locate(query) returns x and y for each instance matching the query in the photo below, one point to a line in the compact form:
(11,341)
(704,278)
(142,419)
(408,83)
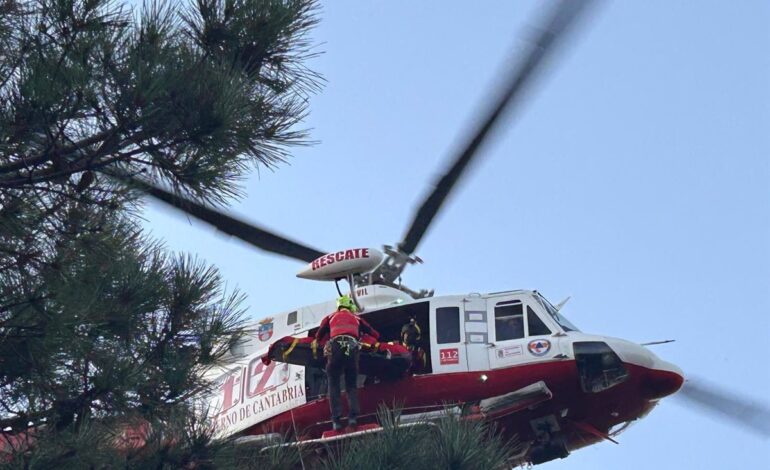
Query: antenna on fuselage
(562,303)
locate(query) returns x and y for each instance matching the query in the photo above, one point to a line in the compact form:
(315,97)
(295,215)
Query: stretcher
(384,360)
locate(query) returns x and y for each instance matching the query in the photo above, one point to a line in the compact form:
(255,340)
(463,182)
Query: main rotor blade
(737,410)
(247,232)
(547,40)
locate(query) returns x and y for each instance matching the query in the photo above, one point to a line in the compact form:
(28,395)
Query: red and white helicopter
(508,357)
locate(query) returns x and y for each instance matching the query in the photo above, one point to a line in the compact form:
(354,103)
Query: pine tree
(102,331)
(104,335)
(191,95)
(445,443)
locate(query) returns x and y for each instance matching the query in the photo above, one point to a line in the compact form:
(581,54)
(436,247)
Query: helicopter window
(509,320)
(535,324)
(448,325)
(291,318)
(557,317)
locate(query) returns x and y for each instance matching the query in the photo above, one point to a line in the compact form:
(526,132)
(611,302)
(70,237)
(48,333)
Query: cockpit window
(535,325)
(509,320)
(557,317)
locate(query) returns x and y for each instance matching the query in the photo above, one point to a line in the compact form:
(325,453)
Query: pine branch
(97,322)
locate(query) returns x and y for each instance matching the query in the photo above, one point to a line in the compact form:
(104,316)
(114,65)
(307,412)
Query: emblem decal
(265,329)
(539,347)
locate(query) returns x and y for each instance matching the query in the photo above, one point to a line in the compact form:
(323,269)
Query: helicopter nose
(658,378)
(663,381)
(662,378)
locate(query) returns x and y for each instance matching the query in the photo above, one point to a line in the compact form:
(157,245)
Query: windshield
(558,317)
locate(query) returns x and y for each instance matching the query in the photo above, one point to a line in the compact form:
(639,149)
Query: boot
(336,426)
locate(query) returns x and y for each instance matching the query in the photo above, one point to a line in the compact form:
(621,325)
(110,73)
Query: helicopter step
(517,400)
(329,437)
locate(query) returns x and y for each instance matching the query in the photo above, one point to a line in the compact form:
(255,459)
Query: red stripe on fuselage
(624,402)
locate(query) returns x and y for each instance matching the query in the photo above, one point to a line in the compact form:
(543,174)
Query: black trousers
(343,360)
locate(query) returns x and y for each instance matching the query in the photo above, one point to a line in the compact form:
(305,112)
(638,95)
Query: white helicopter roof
(293,322)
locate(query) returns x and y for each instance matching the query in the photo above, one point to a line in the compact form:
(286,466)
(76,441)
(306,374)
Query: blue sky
(634,179)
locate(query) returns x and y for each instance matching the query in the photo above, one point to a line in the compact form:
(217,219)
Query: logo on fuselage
(265,329)
(539,347)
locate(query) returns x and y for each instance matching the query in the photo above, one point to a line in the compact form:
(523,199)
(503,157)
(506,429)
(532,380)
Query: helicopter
(385,281)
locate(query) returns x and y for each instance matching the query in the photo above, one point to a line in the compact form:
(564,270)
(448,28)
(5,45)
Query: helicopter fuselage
(507,357)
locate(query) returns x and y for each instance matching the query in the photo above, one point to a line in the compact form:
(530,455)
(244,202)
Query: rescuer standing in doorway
(411,337)
(411,334)
(344,329)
